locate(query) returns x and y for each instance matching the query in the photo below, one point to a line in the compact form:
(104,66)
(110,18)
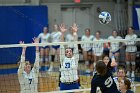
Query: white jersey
(88,46)
(130,45)
(45,38)
(69,66)
(115,46)
(70,38)
(56,36)
(98,47)
(28,82)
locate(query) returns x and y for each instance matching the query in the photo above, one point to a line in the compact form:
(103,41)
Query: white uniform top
(88,46)
(45,38)
(130,45)
(98,47)
(70,38)
(69,66)
(28,82)
(115,46)
(56,36)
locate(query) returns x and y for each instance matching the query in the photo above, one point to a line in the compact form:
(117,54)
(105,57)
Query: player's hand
(22,42)
(74,28)
(113,63)
(35,40)
(63,28)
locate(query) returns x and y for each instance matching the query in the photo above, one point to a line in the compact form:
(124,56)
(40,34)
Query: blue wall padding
(20,23)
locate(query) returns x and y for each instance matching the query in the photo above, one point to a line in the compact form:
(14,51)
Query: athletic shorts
(65,86)
(45,47)
(90,50)
(56,46)
(134,53)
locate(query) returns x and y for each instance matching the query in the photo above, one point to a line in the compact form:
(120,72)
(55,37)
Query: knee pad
(53,57)
(133,63)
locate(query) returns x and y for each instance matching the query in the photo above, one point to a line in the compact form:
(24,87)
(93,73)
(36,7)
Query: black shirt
(112,69)
(106,83)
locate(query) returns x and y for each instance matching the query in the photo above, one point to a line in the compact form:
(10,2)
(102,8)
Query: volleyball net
(48,81)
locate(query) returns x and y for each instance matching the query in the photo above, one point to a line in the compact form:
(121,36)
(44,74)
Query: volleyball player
(103,79)
(69,64)
(110,63)
(131,52)
(55,37)
(87,48)
(125,86)
(115,46)
(44,50)
(97,48)
(27,76)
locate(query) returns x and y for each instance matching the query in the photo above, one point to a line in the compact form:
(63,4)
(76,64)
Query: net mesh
(48,80)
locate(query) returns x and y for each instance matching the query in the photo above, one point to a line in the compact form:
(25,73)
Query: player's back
(106,83)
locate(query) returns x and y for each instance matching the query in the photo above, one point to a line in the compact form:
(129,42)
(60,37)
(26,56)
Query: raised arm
(113,63)
(36,64)
(75,30)
(62,49)
(22,60)
(75,51)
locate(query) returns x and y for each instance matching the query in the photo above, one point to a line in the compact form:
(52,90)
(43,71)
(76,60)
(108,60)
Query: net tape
(65,43)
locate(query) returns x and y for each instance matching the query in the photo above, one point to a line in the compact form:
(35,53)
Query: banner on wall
(136,17)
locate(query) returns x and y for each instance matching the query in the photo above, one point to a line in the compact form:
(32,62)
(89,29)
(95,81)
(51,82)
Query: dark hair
(115,31)
(104,56)
(109,63)
(87,29)
(69,48)
(98,32)
(127,83)
(121,68)
(101,68)
(131,27)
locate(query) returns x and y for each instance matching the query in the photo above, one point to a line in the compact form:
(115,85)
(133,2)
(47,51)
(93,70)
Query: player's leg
(94,63)
(58,52)
(52,58)
(85,56)
(95,60)
(117,54)
(133,63)
(47,49)
(41,55)
(127,59)
(89,56)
